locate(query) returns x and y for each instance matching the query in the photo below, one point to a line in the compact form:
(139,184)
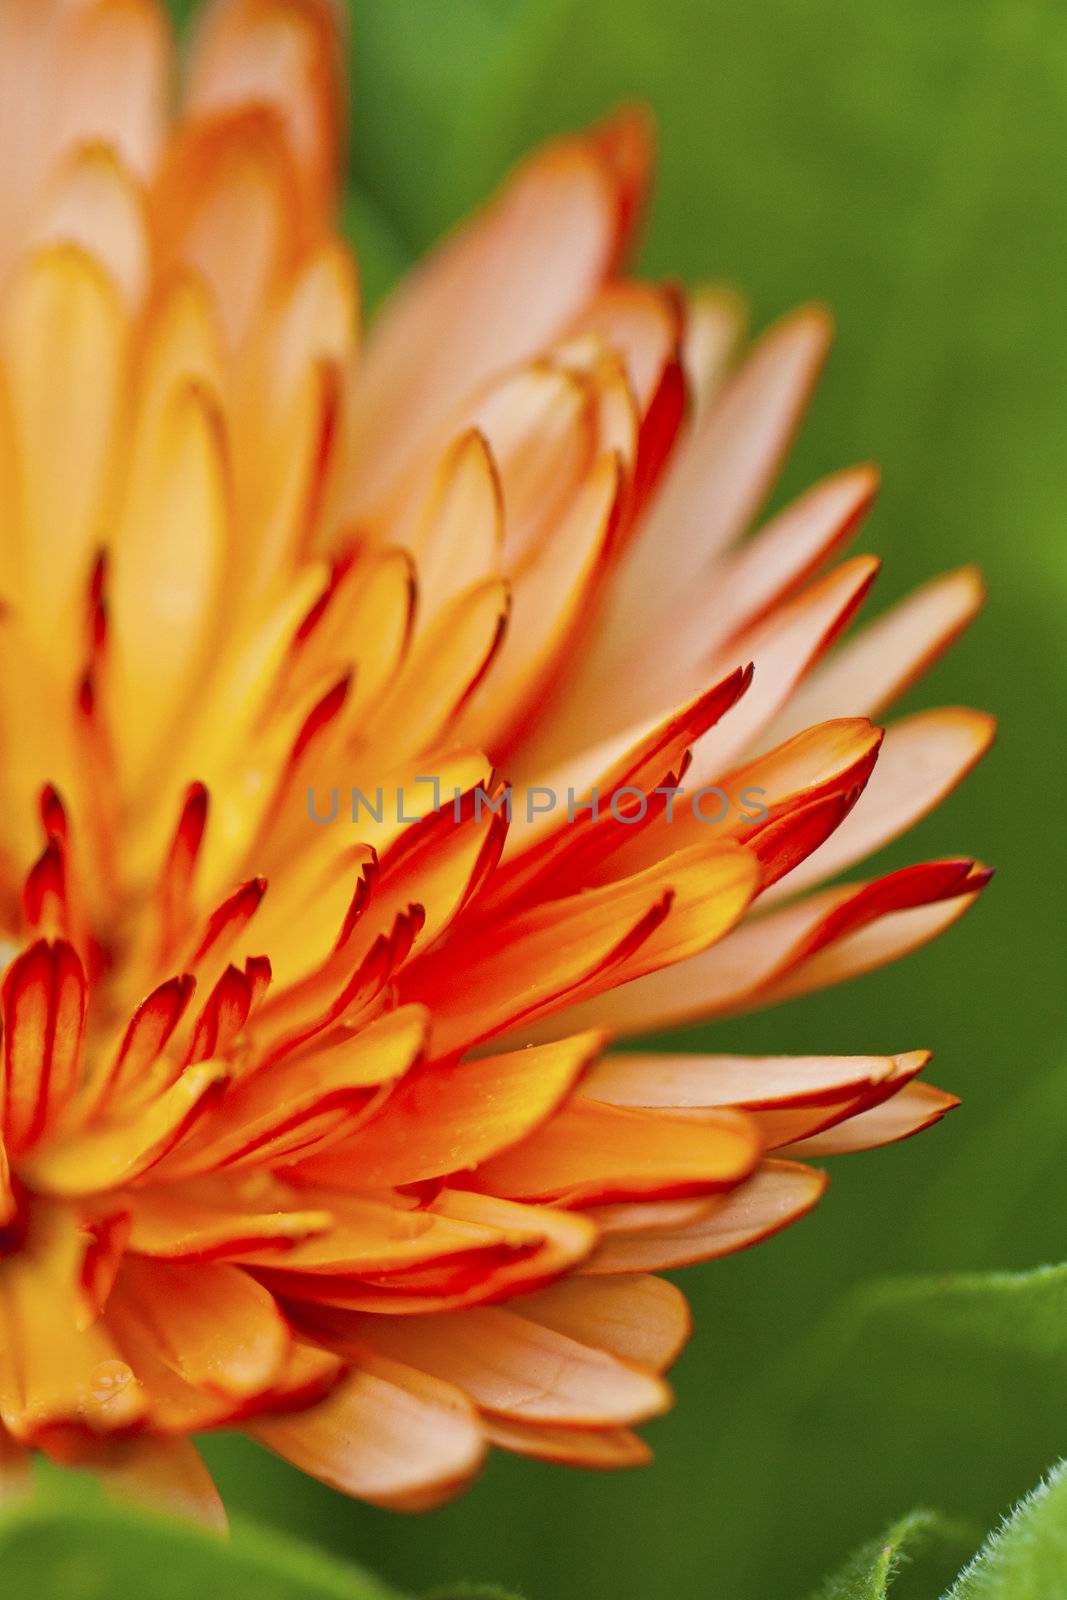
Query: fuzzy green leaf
(870,1572)
(1026,1558)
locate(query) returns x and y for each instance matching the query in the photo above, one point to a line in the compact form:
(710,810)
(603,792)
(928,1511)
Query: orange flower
(307,1128)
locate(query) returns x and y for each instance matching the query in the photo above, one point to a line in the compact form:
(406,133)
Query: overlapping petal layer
(386,726)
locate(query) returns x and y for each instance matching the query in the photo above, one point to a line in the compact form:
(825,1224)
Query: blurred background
(903,163)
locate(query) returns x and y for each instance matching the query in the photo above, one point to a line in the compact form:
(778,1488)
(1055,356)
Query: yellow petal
(106,1157)
(64,354)
(59,1377)
(166,570)
(590,1153)
(446,1117)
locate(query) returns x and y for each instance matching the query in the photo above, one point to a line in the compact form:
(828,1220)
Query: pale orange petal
(779,1194)
(724,471)
(640,1318)
(519,1369)
(388,1434)
(874,668)
(217,1327)
(603,1449)
(820,940)
(281,54)
(750,1082)
(714,326)
(495,293)
(915,1107)
(921,760)
(163,1475)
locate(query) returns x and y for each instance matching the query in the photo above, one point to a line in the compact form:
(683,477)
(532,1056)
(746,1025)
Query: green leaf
(870,1572)
(1023,1314)
(1026,1558)
(888,1394)
(59,1546)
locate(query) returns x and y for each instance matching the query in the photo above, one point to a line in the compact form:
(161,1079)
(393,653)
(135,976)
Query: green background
(903,161)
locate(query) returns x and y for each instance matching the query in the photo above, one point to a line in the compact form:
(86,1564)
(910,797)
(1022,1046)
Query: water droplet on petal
(112,1388)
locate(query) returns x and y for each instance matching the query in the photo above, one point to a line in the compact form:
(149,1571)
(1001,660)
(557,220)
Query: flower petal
(818,941)
(460,531)
(45,995)
(888,655)
(279,1110)
(768,569)
(232,175)
(439,677)
(722,474)
(922,758)
(448,1116)
(104,1157)
(163,1475)
(640,1319)
(495,293)
(894,932)
(177,1223)
(167,567)
(61,1380)
(388,1434)
(520,1369)
(714,326)
(752,1083)
(606,1449)
(915,1107)
(110,42)
(212,1323)
(286,56)
(780,1193)
(550,596)
(95,205)
(524,965)
(590,1153)
(64,347)
(782,1127)
(482,1250)
(783,650)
